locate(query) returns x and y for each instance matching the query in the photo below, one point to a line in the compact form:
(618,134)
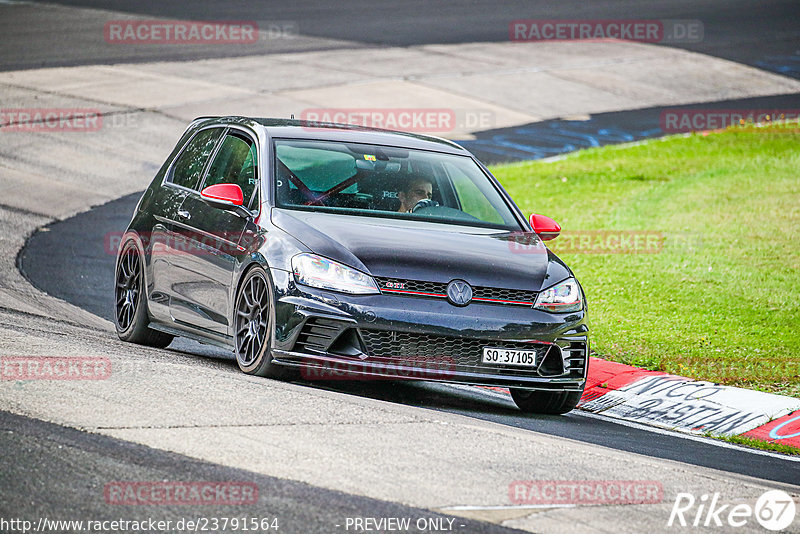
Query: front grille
(412,286)
(520,296)
(490,295)
(463,354)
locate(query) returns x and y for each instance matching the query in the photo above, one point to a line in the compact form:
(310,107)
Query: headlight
(316,271)
(561,298)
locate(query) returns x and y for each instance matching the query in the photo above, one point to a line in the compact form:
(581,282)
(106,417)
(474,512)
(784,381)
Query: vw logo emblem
(459,293)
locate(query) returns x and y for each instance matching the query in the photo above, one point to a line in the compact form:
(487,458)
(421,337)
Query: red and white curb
(683,404)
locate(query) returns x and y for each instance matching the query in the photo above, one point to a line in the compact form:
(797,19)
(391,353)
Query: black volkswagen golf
(345,251)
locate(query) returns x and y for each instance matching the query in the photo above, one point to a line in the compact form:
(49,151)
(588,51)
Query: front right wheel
(545,402)
(253,326)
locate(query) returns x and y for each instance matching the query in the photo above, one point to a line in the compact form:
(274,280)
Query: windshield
(388,182)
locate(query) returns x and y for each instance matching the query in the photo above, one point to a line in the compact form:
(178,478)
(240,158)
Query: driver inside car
(415,194)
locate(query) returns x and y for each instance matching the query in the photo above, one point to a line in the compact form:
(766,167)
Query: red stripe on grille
(504,301)
(414,292)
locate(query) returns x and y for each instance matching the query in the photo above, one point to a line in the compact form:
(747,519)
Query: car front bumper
(332,336)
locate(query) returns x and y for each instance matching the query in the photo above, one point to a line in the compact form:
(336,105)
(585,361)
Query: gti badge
(459,293)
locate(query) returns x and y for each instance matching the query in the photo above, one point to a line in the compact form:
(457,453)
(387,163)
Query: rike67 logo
(774,510)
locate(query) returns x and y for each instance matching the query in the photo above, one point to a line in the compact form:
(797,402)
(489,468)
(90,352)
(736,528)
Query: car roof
(300,129)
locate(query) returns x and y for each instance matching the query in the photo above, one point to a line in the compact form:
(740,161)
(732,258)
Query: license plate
(497,356)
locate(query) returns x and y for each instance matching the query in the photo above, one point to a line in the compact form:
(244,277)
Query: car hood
(434,252)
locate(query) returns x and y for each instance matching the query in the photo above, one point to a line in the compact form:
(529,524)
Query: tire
(545,402)
(131,317)
(254,324)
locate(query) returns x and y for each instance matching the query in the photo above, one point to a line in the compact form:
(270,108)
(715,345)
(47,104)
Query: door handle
(184,214)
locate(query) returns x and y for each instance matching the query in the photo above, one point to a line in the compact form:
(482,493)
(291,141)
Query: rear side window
(236,162)
(189,165)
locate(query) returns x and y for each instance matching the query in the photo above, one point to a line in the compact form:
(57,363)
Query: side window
(473,201)
(189,165)
(236,162)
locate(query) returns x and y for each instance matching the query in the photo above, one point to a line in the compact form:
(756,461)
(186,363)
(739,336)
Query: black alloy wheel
(253,326)
(130,310)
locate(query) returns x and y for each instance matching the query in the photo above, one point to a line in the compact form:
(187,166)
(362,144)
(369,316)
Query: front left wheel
(130,310)
(253,326)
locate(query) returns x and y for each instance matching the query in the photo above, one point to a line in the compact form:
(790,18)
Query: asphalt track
(763,34)
(85,463)
(74,260)
(59,470)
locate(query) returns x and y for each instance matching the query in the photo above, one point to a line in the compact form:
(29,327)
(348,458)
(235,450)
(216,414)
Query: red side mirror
(224,193)
(546,227)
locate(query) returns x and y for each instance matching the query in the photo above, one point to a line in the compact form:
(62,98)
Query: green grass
(759,444)
(721,300)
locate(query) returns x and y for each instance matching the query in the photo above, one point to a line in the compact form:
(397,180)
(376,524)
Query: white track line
(639,426)
(508,507)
